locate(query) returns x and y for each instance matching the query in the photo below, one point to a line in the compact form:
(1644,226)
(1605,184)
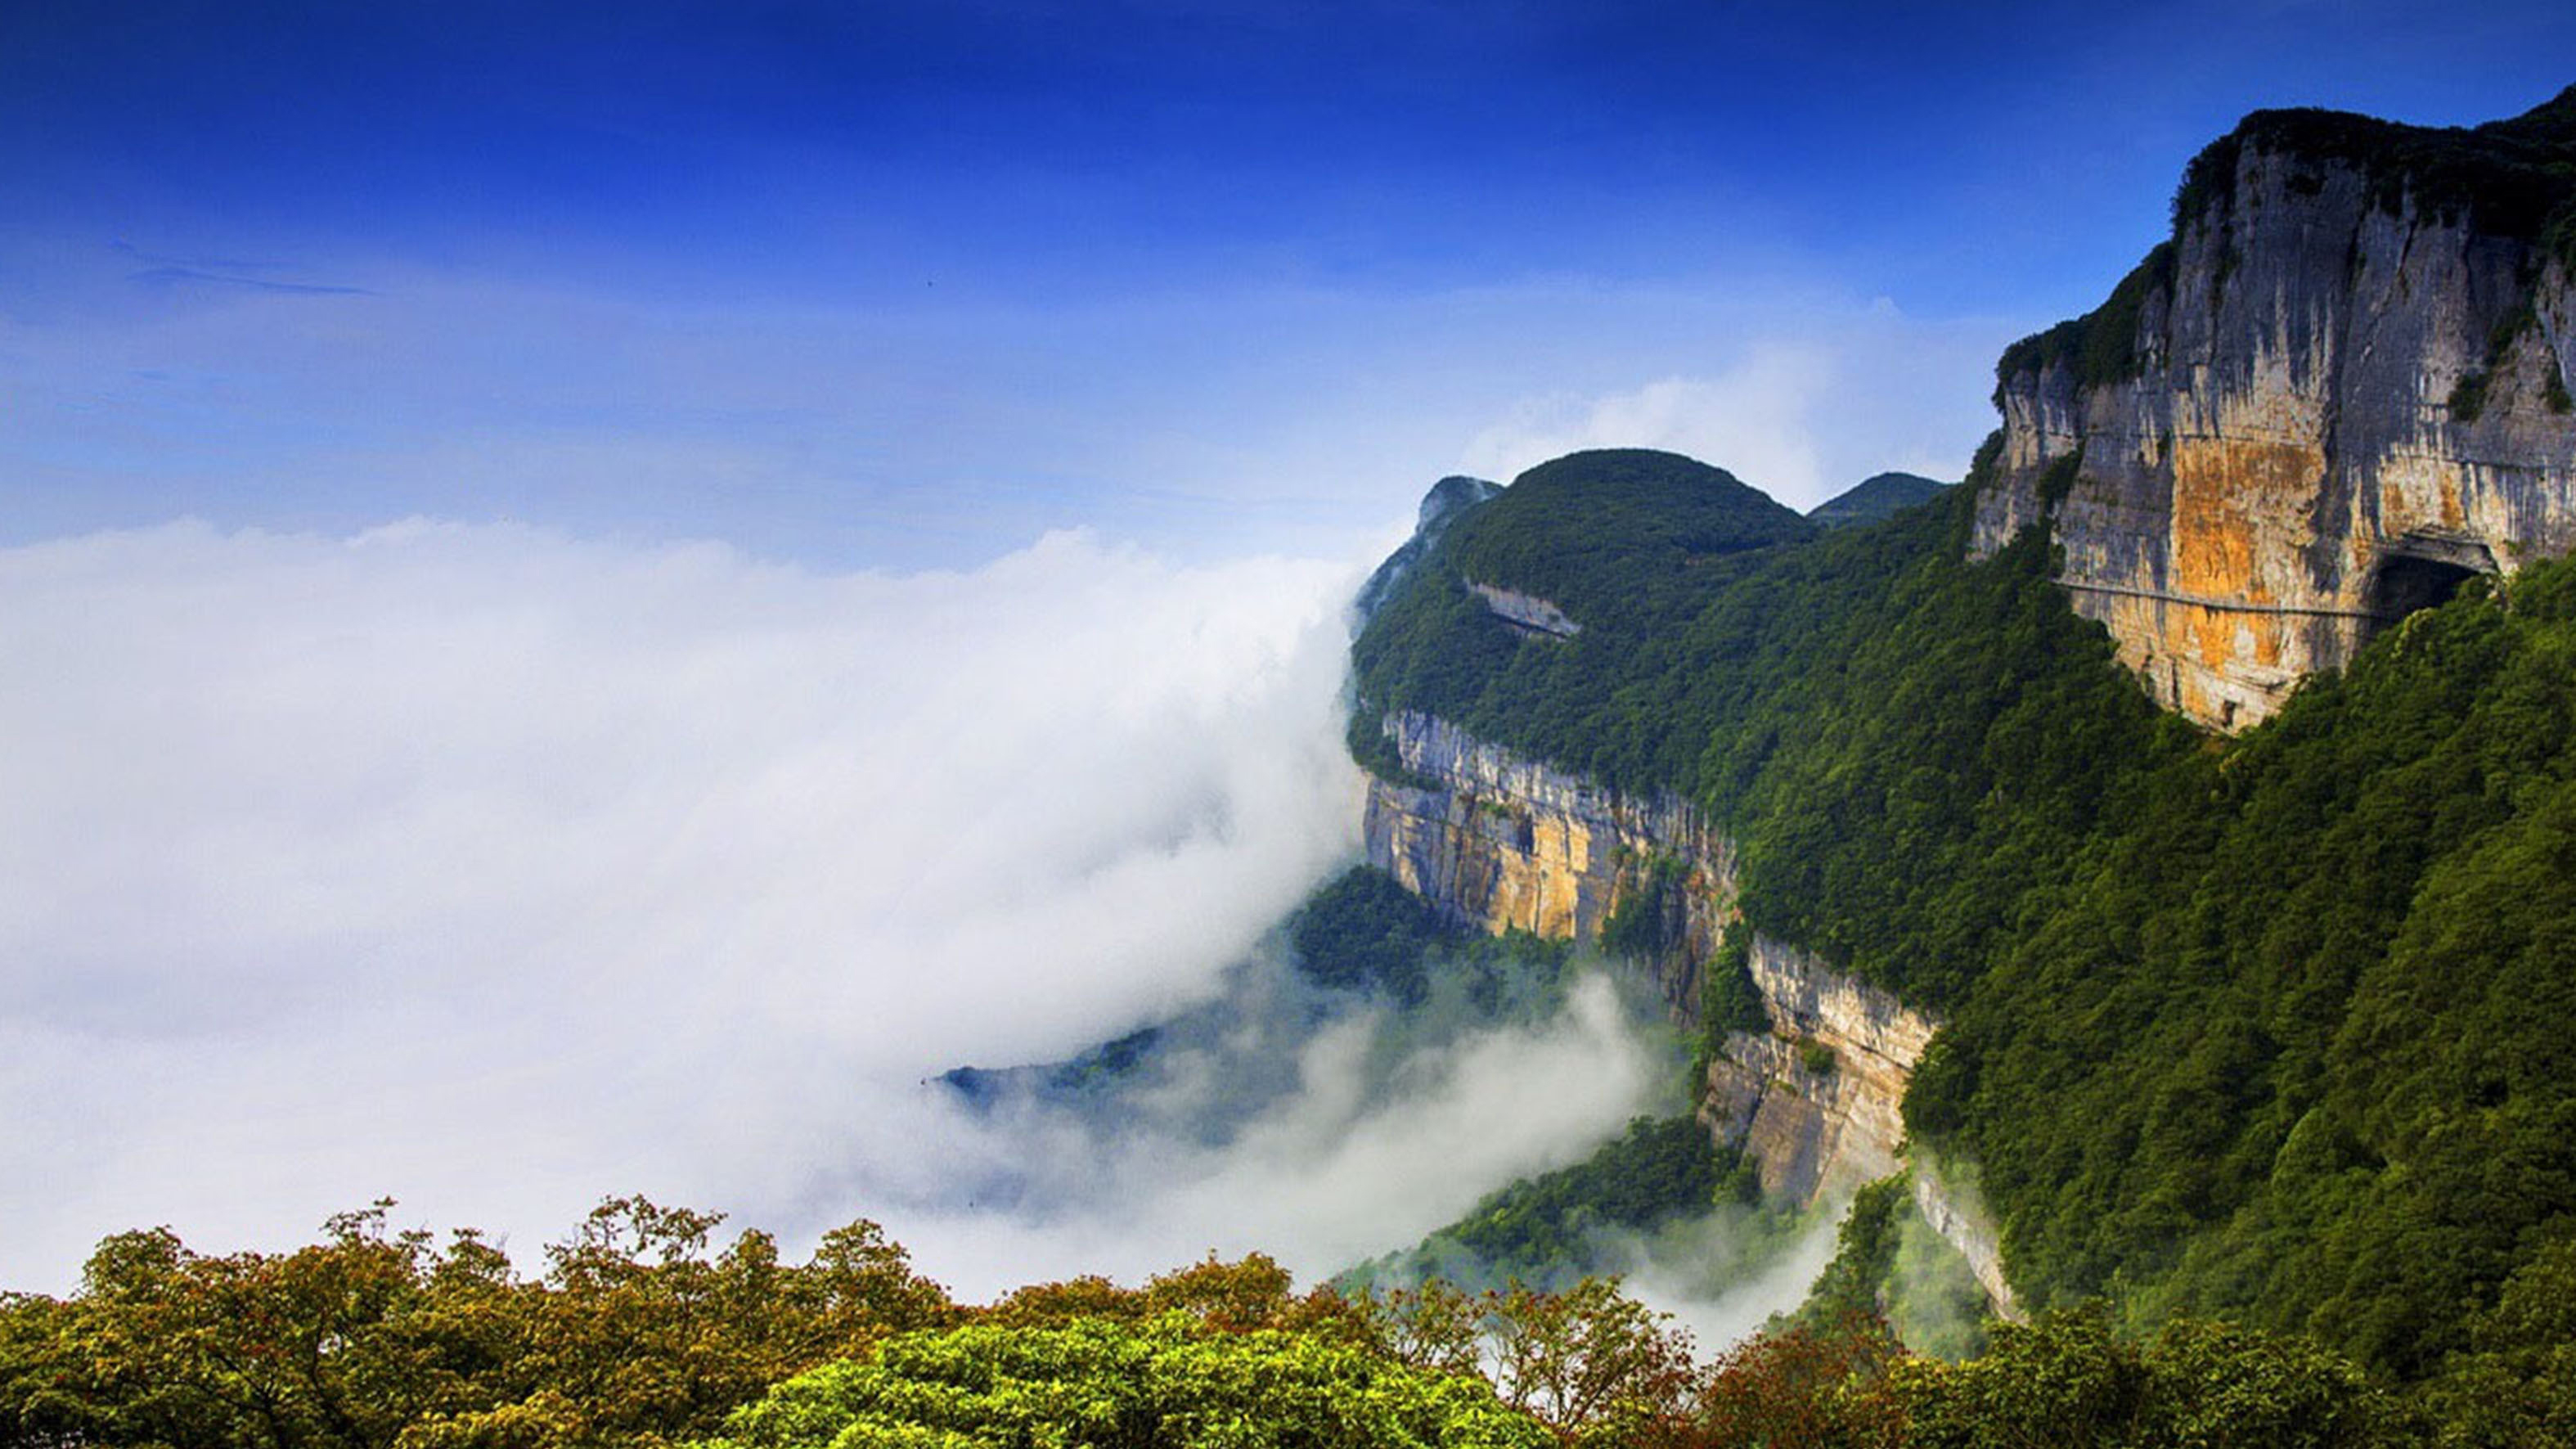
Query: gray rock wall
(2286,472)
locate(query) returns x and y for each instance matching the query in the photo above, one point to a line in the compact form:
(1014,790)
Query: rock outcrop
(2337,392)
(1527,614)
(1504,843)
(1819,1098)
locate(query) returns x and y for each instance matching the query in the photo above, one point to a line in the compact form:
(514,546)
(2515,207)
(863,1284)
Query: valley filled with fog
(497,872)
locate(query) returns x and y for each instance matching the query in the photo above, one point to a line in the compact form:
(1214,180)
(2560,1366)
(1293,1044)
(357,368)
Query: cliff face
(1819,1098)
(2335,394)
(1527,614)
(1504,843)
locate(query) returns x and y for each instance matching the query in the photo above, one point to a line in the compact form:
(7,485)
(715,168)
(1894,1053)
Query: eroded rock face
(1818,1100)
(1958,1214)
(1526,613)
(2291,462)
(1505,843)
(1820,1097)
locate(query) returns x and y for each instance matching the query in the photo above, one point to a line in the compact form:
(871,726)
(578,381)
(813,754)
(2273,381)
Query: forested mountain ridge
(1874,498)
(2270,1026)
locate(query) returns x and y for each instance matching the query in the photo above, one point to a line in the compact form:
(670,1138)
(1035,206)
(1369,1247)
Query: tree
(1163,1382)
(637,1335)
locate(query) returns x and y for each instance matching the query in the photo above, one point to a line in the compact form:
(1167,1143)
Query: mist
(498,872)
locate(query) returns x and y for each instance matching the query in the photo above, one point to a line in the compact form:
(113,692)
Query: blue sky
(902,284)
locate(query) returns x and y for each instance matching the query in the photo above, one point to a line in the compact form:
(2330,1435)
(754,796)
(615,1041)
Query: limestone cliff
(1818,1099)
(1527,614)
(1505,843)
(2337,391)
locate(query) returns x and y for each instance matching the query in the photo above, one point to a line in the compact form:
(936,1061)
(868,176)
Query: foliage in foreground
(2069,1380)
(1166,1381)
(638,1335)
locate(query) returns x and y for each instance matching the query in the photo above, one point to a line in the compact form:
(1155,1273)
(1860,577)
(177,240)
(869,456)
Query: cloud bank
(1389,1126)
(497,872)
(1755,419)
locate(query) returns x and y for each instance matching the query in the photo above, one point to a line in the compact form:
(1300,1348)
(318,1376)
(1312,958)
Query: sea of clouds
(497,872)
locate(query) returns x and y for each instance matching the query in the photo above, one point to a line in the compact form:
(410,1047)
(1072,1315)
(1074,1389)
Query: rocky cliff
(1819,1097)
(2339,390)
(1505,843)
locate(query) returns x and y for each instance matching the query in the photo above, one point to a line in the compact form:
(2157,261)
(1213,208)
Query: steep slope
(1448,499)
(1763,757)
(2273,1028)
(2339,388)
(2294,1046)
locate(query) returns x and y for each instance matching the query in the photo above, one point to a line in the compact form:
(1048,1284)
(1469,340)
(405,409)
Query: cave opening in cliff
(2405,583)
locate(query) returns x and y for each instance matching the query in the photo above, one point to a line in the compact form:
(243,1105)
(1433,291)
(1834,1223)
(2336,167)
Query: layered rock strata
(1504,843)
(1819,1098)
(2324,403)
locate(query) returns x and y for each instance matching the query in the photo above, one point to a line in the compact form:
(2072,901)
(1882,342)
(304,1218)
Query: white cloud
(1363,1157)
(1726,1314)
(1754,419)
(1800,406)
(499,872)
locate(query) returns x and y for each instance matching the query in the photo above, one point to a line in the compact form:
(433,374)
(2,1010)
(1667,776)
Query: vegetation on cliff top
(1875,497)
(2510,178)
(1615,533)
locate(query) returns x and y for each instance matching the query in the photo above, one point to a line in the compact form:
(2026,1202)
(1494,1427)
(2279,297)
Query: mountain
(1447,499)
(2338,389)
(1874,498)
(2248,993)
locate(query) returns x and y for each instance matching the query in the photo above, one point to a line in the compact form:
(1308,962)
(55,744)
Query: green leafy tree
(639,1334)
(1171,1379)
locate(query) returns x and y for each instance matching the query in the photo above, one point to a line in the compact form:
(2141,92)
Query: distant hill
(1448,498)
(1875,498)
